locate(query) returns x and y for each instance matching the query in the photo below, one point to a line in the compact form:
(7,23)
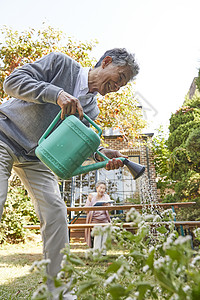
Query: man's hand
(112,154)
(69,105)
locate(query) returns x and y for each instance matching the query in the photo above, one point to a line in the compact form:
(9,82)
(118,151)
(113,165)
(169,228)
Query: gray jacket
(35,88)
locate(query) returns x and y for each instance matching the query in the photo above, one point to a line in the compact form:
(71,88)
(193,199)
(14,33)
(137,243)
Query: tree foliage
(184,144)
(17,48)
(198,80)
(177,158)
(121,112)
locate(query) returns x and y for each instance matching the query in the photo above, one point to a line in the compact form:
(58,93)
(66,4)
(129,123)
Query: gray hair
(121,57)
(100,182)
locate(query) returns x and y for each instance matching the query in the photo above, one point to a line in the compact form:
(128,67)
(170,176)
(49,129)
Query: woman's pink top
(101,216)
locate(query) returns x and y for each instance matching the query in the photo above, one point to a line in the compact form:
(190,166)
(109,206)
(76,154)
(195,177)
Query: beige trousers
(43,189)
(99,242)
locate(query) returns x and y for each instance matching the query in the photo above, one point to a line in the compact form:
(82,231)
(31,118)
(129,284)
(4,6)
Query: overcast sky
(163,34)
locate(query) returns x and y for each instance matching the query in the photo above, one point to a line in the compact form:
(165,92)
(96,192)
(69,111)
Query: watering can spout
(136,170)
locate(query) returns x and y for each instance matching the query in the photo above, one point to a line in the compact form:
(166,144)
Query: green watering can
(65,149)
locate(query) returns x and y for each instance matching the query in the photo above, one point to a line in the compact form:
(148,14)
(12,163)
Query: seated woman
(100,216)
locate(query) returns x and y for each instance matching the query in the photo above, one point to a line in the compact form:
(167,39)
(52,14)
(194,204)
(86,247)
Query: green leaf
(85,286)
(142,288)
(76,261)
(162,229)
(176,254)
(117,291)
(114,267)
(196,292)
(57,282)
(137,254)
(150,259)
(165,282)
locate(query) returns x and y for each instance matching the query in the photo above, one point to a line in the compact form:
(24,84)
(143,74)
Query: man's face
(111,77)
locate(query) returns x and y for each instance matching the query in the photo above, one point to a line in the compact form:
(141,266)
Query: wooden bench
(81,226)
(125,207)
(129,206)
(183,225)
(186,227)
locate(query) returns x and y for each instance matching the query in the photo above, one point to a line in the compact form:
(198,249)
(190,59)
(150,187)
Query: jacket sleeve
(34,82)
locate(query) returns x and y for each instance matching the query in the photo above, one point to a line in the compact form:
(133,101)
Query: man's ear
(106,61)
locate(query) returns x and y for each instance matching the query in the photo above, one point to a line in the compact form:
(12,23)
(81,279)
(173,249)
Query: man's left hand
(112,154)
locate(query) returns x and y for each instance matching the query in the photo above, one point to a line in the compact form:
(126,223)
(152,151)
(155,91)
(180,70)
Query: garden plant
(155,263)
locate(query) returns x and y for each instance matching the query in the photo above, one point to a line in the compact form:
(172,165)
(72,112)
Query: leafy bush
(18,210)
(193,145)
(191,213)
(184,145)
(181,133)
(154,264)
(183,115)
(198,81)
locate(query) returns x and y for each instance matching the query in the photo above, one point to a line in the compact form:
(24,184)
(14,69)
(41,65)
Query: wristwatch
(95,153)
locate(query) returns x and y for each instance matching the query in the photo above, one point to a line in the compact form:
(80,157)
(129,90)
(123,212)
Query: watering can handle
(94,124)
(57,118)
(96,166)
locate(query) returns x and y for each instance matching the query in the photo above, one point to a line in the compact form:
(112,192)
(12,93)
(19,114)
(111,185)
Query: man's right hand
(69,105)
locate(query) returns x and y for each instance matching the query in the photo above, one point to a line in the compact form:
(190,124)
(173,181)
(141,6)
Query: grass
(16,281)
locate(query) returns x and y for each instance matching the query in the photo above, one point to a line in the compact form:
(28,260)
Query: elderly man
(39,91)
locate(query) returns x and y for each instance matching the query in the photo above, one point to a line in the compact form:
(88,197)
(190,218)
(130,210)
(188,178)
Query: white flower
(169,241)
(151,249)
(120,270)
(168,213)
(195,259)
(131,260)
(110,279)
(160,261)
(41,289)
(157,218)
(197,232)
(133,215)
(142,227)
(148,217)
(182,240)
(63,261)
(175,297)
(145,268)
(60,275)
(45,261)
(39,264)
(33,266)
(186,288)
